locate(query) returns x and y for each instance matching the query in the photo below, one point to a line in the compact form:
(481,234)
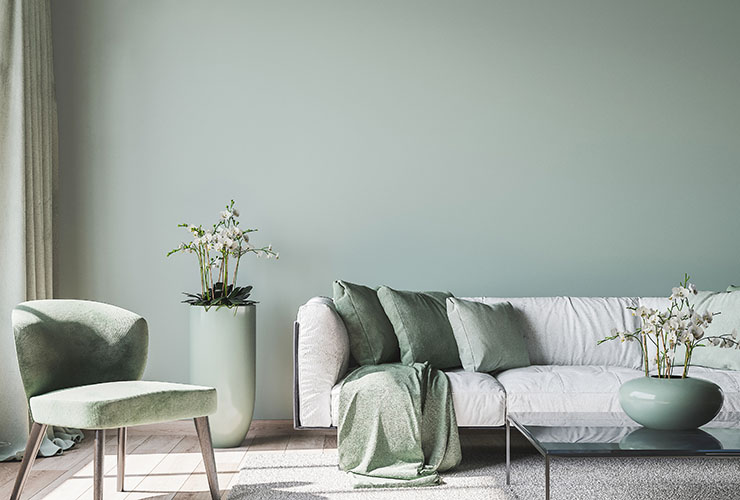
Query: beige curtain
(28,159)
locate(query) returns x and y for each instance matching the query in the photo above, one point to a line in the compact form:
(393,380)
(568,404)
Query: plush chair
(81,363)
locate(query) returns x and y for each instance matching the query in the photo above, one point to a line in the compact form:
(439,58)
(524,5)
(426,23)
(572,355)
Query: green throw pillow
(487,336)
(371,337)
(421,325)
(733,288)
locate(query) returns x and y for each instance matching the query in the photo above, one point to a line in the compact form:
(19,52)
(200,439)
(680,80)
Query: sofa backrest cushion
(566,330)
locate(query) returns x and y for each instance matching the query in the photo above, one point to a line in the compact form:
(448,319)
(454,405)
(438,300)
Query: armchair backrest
(68,343)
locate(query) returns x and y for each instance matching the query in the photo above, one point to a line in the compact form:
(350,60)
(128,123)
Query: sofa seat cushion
(478,398)
(553,388)
(122,404)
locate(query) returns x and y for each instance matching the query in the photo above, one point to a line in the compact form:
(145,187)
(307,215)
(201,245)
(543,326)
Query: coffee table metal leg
(547,477)
(508,452)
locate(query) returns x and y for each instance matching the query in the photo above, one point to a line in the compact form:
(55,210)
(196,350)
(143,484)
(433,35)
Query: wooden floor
(163,462)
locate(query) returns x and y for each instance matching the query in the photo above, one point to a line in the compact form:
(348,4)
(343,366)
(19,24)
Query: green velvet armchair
(81,363)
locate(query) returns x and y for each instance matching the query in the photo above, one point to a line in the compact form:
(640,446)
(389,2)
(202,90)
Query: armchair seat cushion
(122,404)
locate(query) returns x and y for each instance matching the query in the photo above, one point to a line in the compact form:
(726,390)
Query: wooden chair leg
(121,458)
(32,448)
(98,468)
(206,449)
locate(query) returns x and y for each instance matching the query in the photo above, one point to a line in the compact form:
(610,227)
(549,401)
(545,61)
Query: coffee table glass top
(593,434)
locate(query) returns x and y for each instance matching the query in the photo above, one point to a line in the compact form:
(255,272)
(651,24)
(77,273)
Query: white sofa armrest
(321,358)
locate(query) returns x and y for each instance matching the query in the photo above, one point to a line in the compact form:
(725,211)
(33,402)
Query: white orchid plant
(217,249)
(680,325)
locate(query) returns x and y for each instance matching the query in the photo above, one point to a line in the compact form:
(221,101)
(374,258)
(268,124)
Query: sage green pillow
(421,325)
(488,336)
(733,288)
(371,337)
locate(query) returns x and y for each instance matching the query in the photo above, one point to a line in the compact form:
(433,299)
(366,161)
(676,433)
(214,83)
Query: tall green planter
(222,355)
(670,404)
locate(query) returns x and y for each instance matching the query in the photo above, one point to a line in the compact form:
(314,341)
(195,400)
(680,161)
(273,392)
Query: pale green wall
(507,148)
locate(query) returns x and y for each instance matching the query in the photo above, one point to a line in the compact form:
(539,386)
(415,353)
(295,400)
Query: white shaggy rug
(303,475)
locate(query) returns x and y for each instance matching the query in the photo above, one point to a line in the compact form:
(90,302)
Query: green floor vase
(222,355)
(670,404)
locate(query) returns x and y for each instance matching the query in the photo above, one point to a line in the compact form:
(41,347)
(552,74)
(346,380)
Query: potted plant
(223,323)
(664,399)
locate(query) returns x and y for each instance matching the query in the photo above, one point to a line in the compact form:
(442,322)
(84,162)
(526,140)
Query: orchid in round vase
(679,325)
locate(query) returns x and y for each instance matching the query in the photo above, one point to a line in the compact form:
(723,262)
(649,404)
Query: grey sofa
(569,371)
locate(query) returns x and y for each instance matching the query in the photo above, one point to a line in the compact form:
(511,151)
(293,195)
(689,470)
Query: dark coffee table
(616,435)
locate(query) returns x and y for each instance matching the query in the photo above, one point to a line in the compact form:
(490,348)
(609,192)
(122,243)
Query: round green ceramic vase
(670,403)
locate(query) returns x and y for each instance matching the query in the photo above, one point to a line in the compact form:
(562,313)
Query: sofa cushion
(371,337)
(565,330)
(487,336)
(564,388)
(478,398)
(421,325)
